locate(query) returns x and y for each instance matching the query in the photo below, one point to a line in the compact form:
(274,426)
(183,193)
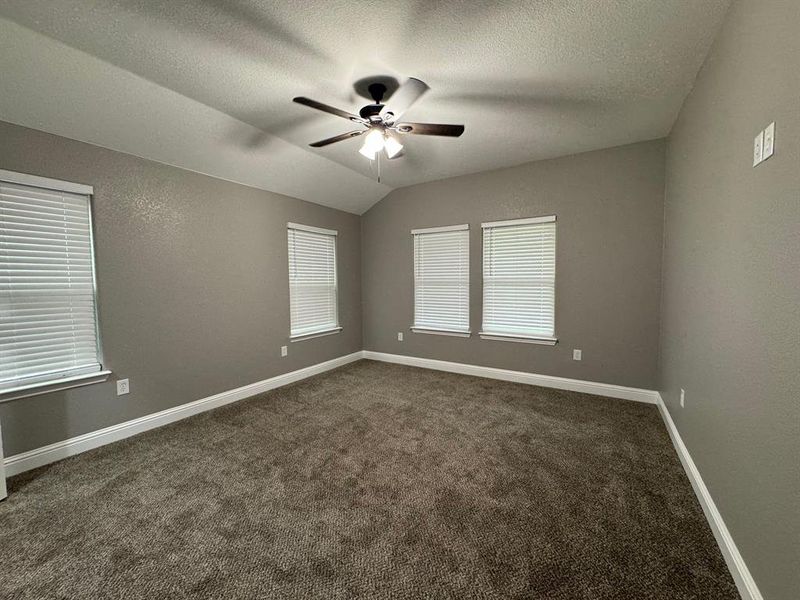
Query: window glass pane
(312,282)
(441,280)
(48,328)
(519,270)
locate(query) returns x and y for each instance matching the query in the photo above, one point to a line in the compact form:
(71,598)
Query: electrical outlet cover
(758,148)
(399,336)
(123,387)
(769,142)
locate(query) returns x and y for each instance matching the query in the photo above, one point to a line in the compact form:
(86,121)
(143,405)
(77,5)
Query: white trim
(741,574)
(88,441)
(525,339)
(439,229)
(509,223)
(316,334)
(47,454)
(312,229)
(46,183)
(745,583)
(98,340)
(3,490)
(54,385)
(40,379)
(19,389)
(450,332)
(550,381)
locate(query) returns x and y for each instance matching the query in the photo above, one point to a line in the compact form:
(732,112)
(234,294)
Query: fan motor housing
(370,110)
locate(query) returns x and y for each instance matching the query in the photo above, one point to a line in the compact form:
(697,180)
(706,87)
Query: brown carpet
(372,481)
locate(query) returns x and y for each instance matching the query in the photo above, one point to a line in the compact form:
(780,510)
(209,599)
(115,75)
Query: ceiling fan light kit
(380,121)
(392,147)
(373,143)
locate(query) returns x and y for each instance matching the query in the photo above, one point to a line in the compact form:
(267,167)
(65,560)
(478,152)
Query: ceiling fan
(381,122)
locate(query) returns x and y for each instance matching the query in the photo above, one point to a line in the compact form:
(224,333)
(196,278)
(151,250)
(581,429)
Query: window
(519,274)
(48,322)
(312,281)
(441,280)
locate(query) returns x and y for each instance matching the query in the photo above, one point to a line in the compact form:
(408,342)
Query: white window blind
(519,272)
(48,326)
(441,279)
(312,280)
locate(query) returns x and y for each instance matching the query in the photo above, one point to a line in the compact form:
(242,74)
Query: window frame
(546,340)
(67,378)
(335,235)
(439,330)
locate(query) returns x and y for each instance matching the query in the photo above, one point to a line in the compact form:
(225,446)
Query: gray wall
(731,302)
(609,206)
(193,286)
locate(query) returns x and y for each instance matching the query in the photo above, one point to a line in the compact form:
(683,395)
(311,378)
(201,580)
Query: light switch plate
(123,387)
(769,142)
(758,148)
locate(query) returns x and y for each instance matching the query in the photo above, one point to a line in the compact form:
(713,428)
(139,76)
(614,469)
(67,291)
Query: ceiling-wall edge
(55,88)
(515,166)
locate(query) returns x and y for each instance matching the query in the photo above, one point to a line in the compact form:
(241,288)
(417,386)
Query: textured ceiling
(196,83)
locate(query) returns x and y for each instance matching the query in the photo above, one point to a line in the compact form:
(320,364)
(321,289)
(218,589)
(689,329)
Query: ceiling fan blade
(404,97)
(337,138)
(430,129)
(329,109)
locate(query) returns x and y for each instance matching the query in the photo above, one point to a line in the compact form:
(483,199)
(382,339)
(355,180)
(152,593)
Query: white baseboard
(741,574)
(748,589)
(38,457)
(550,381)
(59,450)
(3,489)
(47,454)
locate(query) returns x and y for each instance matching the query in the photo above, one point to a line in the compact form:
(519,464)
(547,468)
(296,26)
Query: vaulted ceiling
(207,84)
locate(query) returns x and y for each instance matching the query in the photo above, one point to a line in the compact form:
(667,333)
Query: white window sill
(316,334)
(450,332)
(45,387)
(525,339)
